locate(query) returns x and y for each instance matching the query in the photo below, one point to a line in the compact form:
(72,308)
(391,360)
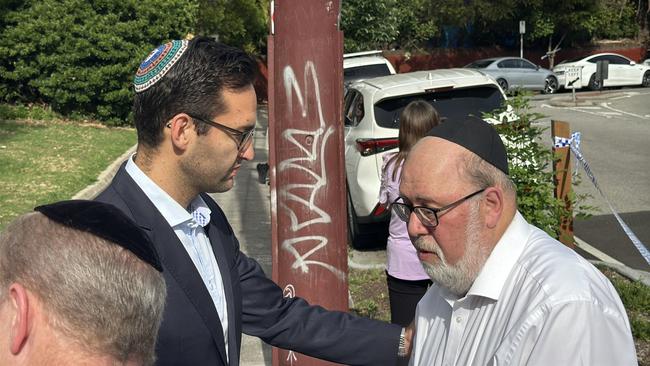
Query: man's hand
(408,338)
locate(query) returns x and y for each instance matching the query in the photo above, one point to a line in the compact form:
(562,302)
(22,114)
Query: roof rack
(364,53)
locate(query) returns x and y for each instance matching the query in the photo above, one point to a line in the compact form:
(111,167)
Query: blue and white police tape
(574,144)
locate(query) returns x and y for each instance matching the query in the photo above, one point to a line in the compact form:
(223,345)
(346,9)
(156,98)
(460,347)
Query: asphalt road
(615,129)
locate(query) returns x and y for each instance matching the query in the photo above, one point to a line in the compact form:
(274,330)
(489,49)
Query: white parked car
(621,71)
(365,65)
(371,113)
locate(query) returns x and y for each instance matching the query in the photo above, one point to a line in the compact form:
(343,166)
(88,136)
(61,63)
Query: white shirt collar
(503,258)
(173,213)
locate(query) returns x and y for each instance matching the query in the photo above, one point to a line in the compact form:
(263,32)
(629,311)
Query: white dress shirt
(188,225)
(535,302)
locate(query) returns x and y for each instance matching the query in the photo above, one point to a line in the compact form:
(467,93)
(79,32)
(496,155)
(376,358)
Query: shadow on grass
(9,129)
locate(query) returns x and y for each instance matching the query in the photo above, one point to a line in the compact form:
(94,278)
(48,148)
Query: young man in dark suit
(195,112)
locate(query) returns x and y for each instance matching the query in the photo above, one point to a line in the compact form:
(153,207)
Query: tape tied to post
(574,144)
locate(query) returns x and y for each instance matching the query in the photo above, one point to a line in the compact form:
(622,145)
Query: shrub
(80,56)
(529,162)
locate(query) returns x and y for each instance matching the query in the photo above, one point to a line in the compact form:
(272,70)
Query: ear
(181,131)
(21,316)
(493,206)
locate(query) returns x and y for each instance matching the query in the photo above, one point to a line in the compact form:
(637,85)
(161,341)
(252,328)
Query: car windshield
(451,104)
(480,64)
(365,72)
(576,59)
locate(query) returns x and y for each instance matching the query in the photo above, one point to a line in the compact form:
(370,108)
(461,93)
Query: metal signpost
(522,31)
(573,79)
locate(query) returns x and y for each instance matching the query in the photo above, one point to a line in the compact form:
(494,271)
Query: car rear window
(479,64)
(452,104)
(365,72)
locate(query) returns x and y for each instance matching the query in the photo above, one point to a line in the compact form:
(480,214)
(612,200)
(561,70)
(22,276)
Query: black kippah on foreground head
(105,221)
(477,136)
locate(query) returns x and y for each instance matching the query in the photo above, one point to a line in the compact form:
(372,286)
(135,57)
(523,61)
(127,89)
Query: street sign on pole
(573,79)
(522,31)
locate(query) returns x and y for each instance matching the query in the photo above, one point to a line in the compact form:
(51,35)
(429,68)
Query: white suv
(365,65)
(371,113)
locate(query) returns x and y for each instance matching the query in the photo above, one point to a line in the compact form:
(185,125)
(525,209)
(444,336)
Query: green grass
(45,161)
(369,293)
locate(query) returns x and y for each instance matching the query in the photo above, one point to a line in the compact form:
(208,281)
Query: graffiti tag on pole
(311,161)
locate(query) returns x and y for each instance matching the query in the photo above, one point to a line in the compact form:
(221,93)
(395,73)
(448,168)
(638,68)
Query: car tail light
(369,147)
(379,210)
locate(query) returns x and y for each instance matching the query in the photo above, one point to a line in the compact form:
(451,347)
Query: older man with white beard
(504,293)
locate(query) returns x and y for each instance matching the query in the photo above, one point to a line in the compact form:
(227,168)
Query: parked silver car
(514,72)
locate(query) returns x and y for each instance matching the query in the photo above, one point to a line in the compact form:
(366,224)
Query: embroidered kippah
(158,63)
(105,221)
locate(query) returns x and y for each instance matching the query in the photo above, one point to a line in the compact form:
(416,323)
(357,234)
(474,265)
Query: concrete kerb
(630,273)
(584,99)
(104,178)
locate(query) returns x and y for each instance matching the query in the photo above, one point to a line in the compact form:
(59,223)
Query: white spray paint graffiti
(290,292)
(312,150)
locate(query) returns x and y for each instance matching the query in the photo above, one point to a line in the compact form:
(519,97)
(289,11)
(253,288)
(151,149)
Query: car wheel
(645,82)
(503,84)
(550,85)
(594,84)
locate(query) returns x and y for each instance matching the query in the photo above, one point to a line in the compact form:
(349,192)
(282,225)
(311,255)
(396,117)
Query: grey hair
(99,295)
(483,174)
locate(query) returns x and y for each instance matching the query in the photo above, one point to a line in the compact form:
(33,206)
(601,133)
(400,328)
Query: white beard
(459,277)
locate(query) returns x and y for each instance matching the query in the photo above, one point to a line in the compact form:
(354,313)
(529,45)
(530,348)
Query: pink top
(403,262)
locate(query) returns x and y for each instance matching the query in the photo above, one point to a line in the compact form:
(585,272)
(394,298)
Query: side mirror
(632,63)
(537,67)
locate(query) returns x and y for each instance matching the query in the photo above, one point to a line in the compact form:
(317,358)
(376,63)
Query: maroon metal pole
(308,220)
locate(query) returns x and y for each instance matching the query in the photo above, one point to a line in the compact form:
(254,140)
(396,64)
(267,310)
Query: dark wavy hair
(194,86)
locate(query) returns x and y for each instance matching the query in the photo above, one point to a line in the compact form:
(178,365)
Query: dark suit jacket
(191,333)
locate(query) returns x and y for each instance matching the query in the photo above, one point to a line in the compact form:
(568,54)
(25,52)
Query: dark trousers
(404,296)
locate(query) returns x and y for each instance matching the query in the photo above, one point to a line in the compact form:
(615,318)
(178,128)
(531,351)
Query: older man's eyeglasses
(242,138)
(427,216)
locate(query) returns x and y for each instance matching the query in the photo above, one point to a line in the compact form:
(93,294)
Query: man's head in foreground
(79,285)
(458,200)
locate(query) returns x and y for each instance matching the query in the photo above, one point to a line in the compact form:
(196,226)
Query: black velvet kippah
(105,221)
(477,136)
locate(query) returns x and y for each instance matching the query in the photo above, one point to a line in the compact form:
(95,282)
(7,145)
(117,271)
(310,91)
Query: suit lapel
(174,257)
(218,240)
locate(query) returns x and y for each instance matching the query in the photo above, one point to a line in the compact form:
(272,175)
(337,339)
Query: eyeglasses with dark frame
(242,138)
(427,216)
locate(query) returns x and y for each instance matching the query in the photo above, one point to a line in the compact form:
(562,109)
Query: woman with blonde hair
(407,280)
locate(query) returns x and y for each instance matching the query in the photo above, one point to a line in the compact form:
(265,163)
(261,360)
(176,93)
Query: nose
(248,153)
(415,227)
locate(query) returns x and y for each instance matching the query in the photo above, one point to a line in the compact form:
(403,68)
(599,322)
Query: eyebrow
(423,200)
